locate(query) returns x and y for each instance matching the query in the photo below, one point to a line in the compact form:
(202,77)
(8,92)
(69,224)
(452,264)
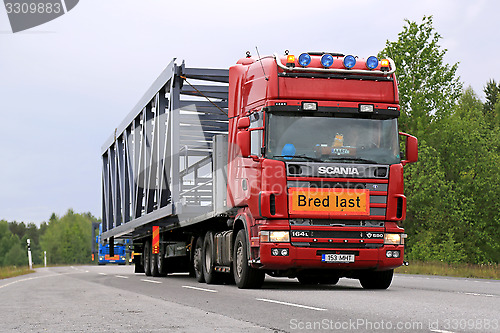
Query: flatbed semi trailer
(281,165)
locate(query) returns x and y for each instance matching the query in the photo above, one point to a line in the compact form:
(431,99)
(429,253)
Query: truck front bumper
(284,256)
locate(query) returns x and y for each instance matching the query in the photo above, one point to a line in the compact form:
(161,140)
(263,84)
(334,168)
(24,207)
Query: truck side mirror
(243,141)
(411,149)
(243,136)
(243,123)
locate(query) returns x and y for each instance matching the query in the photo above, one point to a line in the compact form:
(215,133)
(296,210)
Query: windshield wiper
(309,158)
(354,159)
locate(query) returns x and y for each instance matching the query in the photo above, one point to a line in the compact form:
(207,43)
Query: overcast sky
(65,85)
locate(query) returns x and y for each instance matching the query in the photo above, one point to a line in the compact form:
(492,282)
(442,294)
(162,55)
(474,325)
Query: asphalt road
(114,299)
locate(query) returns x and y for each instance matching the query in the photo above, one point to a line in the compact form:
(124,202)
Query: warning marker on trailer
(156,239)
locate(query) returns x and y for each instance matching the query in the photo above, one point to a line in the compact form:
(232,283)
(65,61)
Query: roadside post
(29,254)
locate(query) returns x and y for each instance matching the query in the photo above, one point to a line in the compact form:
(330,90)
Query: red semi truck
(283,165)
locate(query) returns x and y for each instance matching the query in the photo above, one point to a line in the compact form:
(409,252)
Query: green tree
(431,200)
(18,229)
(453,190)
(17,255)
(492,105)
(428,87)
(68,239)
(471,151)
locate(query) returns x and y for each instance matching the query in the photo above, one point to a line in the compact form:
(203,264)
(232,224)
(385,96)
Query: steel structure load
(160,165)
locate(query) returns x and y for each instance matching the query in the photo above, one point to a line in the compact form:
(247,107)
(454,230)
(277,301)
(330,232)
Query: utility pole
(29,254)
(45,258)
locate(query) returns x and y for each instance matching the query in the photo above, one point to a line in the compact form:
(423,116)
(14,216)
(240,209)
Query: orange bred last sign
(328,200)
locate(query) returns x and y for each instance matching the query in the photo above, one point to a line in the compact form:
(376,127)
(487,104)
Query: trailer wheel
(245,276)
(198,260)
(147,258)
(376,280)
(208,259)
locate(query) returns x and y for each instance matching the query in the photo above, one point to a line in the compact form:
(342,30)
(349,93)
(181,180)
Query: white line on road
(152,281)
(121,276)
(34,278)
(103,274)
(475,294)
(200,289)
(291,304)
(441,331)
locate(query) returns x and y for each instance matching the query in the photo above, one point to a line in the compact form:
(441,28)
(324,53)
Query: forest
(66,239)
(453,191)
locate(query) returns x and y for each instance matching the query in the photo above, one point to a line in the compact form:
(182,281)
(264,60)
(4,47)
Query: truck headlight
(267,236)
(393,239)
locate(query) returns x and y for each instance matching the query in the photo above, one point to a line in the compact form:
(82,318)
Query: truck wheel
(147,258)
(208,258)
(198,260)
(376,280)
(245,276)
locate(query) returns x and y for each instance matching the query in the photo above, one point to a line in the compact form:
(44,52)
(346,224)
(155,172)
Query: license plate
(338,258)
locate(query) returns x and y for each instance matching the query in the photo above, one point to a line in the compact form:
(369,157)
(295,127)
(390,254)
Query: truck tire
(208,256)
(245,276)
(376,280)
(146,255)
(198,260)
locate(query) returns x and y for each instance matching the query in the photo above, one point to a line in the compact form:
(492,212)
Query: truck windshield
(327,138)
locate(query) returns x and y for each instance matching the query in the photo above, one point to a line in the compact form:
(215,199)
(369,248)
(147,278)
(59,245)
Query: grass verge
(491,271)
(11,271)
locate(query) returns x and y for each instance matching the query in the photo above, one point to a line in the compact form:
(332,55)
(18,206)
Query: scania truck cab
(317,168)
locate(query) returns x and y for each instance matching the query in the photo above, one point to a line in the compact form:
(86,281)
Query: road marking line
(31,278)
(291,304)
(201,289)
(103,274)
(34,278)
(121,276)
(476,294)
(441,331)
(152,281)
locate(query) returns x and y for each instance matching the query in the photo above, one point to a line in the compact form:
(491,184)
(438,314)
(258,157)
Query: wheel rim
(239,259)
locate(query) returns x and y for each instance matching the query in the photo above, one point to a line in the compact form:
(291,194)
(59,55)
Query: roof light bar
(388,66)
